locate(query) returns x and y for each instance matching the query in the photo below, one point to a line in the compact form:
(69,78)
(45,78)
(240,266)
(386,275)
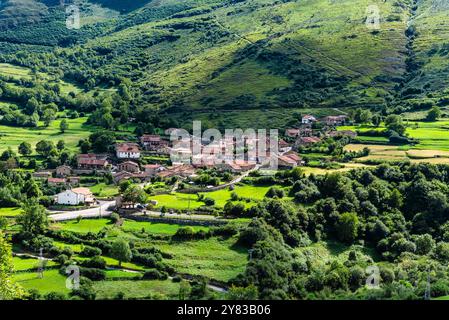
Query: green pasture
(10,212)
(155,228)
(84,226)
(14,136)
(104,190)
(52,281)
(136,289)
(24,264)
(213,258)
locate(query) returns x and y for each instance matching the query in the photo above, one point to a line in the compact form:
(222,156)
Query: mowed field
(431,135)
(182,201)
(213,258)
(14,136)
(395,153)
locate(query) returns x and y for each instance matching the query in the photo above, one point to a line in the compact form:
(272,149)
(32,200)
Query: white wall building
(75,197)
(127,151)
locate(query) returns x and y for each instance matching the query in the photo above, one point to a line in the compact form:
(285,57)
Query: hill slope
(255,58)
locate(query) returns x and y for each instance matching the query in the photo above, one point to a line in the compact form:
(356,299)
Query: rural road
(102,210)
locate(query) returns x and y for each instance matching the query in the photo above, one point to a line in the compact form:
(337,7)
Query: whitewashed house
(127,151)
(308,119)
(75,197)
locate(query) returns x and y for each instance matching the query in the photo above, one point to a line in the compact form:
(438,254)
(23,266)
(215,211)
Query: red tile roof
(127,147)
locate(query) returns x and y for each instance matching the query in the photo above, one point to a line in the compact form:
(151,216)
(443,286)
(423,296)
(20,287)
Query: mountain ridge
(196,57)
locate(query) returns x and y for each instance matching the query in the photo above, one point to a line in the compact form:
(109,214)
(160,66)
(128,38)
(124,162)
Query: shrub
(93,274)
(95,262)
(209,201)
(90,251)
(155,275)
(115,217)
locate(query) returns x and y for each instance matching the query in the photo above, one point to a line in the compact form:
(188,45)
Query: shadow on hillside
(125,6)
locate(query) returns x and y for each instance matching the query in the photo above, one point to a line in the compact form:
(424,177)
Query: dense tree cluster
(401,213)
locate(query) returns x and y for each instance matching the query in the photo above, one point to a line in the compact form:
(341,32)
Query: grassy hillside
(190,59)
(428,63)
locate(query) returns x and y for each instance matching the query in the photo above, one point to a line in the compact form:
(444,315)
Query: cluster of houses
(213,154)
(304,135)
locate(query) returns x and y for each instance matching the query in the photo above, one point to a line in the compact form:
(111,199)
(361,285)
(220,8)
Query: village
(182,163)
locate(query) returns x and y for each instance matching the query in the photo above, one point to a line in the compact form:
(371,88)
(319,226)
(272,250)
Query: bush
(96,262)
(209,202)
(275,192)
(155,275)
(93,273)
(90,252)
(115,217)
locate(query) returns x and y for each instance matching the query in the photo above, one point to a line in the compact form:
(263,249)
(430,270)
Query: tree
(60,145)
(48,116)
(32,189)
(134,194)
(32,106)
(121,251)
(433,114)
(184,290)
(8,289)
(44,148)
(241,293)
(101,141)
(25,149)
(64,125)
(394,123)
(424,244)
(347,227)
(33,220)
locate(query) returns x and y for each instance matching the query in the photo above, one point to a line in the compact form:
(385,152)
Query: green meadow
(431,135)
(14,136)
(84,226)
(52,281)
(26,264)
(155,228)
(10,212)
(136,289)
(183,201)
(213,258)
(104,190)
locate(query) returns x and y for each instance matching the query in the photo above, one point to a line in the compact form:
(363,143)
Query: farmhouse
(305,141)
(127,151)
(42,174)
(284,146)
(92,162)
(63,171)
(341,133)
(184,171)
(289,161)
(335,120)
(75,197)
(73,180)
(238,166)
(152,169)
(292,133)
(129,166)
(308,119)
(56,181)
(120,176)
(154,143)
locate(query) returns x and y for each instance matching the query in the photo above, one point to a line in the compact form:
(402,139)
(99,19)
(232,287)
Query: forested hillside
(249,58)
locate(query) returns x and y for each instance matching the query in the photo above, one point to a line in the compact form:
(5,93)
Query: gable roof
(83,191)
(127,147)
